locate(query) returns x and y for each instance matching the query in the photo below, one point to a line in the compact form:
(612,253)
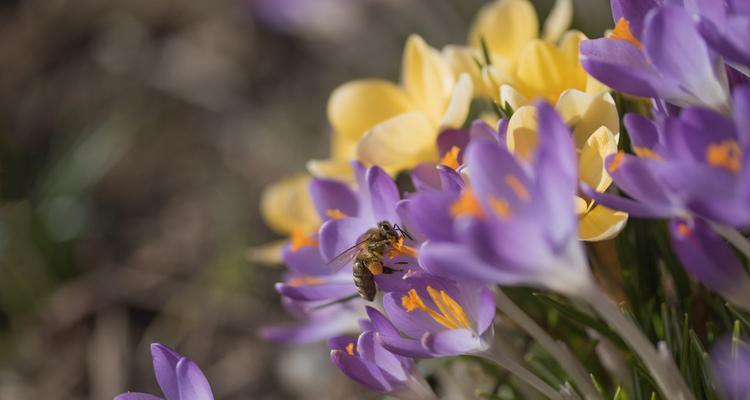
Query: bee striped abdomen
(364,280)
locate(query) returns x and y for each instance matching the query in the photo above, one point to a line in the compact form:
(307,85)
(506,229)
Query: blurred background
(135,138)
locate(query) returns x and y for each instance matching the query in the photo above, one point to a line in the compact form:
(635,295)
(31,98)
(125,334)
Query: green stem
(521,372)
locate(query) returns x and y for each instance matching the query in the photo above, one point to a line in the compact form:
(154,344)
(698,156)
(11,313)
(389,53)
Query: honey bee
(369,255)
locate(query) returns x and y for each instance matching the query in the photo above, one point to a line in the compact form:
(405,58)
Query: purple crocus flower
(690,168)
(727,30)
(178,377)
(661,55)
(318,320)
(515,224)
(367,362)
(436,317)
(731,363)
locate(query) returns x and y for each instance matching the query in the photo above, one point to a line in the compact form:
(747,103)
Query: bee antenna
(403,231)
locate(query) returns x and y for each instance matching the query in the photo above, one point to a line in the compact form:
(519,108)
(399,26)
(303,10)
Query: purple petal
(450,180)
(631,207)
(705,255)
(137,396)
(383,195)
(192,383)
(404,347)
(322,291)
(636,177)
(360,371)
(338,235)
(341,342)
(731,363)
(480,129)
(740,6)
(393,366)
(673,44)
(425,177)
(486,310)
(727,39)
(305,261)
(741,108)
(414,323)
(450,138)
(456,261)
(429,214)
(623,66)
(328,195)
(697,128)
(634,11)
(165,368)
(642,131)
(381,323)
(453,342)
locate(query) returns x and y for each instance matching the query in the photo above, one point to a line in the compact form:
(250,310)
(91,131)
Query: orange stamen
(518,187)
(400,249)
(645,152)
(622,32)
(304,280)
(467,204)
(726,154)
(451,315)
(300,240)
(350,349)
(500,207)
(616,162)
(450,159)
(683,229)
(335,213)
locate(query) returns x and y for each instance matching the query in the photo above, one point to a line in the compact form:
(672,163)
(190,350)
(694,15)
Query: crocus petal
(460,101)
(286,205)
(429,214)
(601,223)
(427,78)
(727,38)
(587,113)
(337,235)
(415,323)
(453,342)
(546,71)
(485,310)
(595,150)
(741,105)
(706,256)
(506,26)
(508,94)
(360,371)
(674,45)
(633,11)
(450,138)
(399,142)
(165,362)
(383,195)
(643,132)
(391,365)
(330,196)
(137,396)
(192,383)
(306,260)
(321,291)
(330,168)
(459,262)
(558,20)
(522,132)
(357,106)
(631,207)
(310,331)
(425,177)
(636,176)
(623,66)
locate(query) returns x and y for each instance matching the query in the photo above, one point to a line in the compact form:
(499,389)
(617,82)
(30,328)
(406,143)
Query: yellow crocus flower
(595,125)
(395,126)
(535,65)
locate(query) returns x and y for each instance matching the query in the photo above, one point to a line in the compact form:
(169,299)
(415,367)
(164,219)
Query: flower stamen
(616,162)
(400,249)
(622,32)
(451,315)
(518,187)
(335,213)
(450,159)
(726,154)
(467,204)
(301,240)
(304,281)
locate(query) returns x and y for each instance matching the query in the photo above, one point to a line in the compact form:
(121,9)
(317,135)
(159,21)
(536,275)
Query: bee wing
(344,258)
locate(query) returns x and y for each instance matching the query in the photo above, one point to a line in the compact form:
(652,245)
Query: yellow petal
(522,132)
(506,26)
(286,204)
(343,147)
(357,106)
(508,94)
(400,142)
(458,108)
(428,79)
(570,45)
(339,169)
(586,113)
(266,253)
(601,223)
(462,61)
(546,71)
(591,168)
(581,205)
(558,20)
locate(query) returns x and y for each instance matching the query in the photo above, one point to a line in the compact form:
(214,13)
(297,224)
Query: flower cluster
(513,197)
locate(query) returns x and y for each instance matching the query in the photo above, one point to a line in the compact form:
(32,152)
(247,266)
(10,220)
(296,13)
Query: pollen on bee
(335,213)
(300,240)
(400,249)
(622,32)
(450,159)
(726,154)
(350,349)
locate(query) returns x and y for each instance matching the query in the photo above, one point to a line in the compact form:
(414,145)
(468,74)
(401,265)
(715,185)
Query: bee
(369,254)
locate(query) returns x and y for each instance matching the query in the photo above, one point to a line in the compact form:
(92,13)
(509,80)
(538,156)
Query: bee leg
(389,270)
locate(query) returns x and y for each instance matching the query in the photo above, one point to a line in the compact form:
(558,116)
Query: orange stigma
(467,204)
(400,249)
(300,240)
(622,32)
(616,162)
(350,349)
(645,152)
(450,159)
(726,154)
(335,213)
(451,315)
